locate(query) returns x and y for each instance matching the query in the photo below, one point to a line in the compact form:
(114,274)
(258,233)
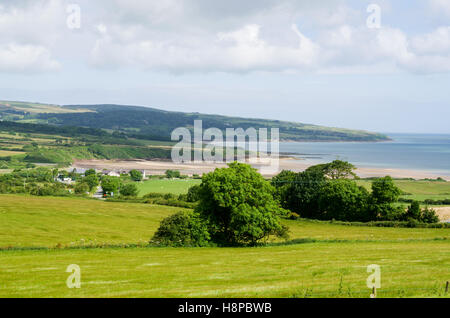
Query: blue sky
(286,59)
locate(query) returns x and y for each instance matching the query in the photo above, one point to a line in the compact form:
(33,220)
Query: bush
(136,175)
(172,174)
(193,194)
(182,230)
(429,216)
(82,188)
(129,190)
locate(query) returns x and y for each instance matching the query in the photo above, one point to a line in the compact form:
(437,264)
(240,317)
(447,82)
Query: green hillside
(151,123)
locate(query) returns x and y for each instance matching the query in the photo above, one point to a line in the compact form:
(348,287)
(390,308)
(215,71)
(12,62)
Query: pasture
(175,186)
(41,236)
(418,189)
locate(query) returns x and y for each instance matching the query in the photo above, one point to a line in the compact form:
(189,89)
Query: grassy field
(177,186)
(27,221)
(419,190)
(408,269)
(414,262)
(6,153)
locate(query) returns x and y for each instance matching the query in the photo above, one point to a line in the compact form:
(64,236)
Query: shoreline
(158,167)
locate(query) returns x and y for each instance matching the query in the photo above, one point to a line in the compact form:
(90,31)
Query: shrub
(193,194)
(82,188)
(429,216)
(129,190)
(182,229)
(136,175)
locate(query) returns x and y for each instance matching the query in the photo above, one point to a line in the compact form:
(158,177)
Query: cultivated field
(327,260)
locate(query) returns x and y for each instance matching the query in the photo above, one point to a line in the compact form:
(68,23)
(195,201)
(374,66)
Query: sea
(425,152)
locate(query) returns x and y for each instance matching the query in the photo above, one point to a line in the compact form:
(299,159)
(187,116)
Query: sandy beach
(158,167)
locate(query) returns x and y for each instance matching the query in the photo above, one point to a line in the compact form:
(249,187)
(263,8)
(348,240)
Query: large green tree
(343,200)
(304,193)
(110,184)
(239,206)
(136,175)
(384,194)
(337,169)
(282,184)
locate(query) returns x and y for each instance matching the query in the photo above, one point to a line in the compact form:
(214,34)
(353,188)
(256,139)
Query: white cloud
(26,58)
(28,31)
(210,36)
(441,6)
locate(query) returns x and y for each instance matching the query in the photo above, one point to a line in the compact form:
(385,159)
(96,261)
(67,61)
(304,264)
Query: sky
(378,65)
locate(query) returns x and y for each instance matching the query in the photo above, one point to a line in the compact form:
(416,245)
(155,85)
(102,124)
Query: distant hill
(151,123)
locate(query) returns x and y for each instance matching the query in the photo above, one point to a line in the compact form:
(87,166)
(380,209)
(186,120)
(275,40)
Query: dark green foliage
(182,229)
(157,124)
(384,194)
(429,215)
(239,207)
(129,190)
(303,195)
(193,194)
(413,211)
(282,184)
(136,175)
(343,200)
(90,172)
(337,169)
(172,174)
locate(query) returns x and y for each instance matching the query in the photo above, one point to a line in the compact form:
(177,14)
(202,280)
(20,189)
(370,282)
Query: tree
(136,175)
(92,181)
(343,200)
(413,211)
(384,194)
(239,206)
(282,184)
(193,194)
(182,229)
(129,190)
(81,188)
(171,174)
(337,169)
(303,195)
(429,215)
(110,185)
(90,172)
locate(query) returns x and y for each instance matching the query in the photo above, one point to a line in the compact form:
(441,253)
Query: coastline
(158,167)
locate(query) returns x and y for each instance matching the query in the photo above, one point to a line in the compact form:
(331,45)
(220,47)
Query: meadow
(176,186)
(41,236)
(418,189)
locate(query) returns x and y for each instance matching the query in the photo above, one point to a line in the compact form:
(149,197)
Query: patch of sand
(158,167)
(443,213)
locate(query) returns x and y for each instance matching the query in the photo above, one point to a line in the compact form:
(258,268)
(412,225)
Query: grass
(414,262)
(27,221)
(46,221)
(419,190)
(408,269)
(6,153)
(176,186)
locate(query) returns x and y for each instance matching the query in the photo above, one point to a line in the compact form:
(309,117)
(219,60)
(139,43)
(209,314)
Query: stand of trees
(324,192)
